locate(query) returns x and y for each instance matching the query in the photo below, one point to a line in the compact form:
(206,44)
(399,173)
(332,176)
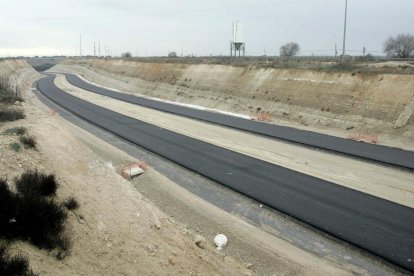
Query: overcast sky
(156,27)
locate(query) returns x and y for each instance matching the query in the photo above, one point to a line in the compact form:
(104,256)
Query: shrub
(29,215)
(15,265)
(71,203)
(40,220)
(36,183)
(8,97)
(29,142)
(7,203)
(11,115)
(15,146)
(15,131)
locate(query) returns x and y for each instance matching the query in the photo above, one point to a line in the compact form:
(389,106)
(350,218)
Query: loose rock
(150,248)
(200,241)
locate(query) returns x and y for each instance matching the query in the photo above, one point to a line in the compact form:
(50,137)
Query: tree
(402,46)
(289,49)
(172,54)
(126,55)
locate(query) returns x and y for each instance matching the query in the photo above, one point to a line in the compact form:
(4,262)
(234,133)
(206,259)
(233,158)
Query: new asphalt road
(392,156)
(379,226)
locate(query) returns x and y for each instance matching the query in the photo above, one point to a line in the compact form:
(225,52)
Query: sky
(201,28)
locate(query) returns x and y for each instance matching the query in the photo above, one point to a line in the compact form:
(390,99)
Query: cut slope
(357,102)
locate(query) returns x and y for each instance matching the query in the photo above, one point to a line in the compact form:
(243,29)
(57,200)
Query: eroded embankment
(17,72)
(374,104)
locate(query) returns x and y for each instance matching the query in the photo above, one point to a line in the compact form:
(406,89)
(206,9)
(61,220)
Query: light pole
(343,46)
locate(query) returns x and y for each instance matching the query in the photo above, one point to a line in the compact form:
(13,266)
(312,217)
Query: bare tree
(402,46)
(126,55)
(289,49)
(172,54)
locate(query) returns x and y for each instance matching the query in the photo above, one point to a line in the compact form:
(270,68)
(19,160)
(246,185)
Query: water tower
(237,46)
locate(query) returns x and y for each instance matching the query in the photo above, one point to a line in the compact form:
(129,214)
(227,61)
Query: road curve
(379,226)
(388,155)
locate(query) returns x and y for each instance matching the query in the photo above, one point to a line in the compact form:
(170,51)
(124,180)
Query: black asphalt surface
(388,155)
(379,226)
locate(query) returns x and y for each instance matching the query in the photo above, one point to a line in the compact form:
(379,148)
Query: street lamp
(343,46)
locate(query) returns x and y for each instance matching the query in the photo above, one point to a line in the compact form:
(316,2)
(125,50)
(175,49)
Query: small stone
(61,255)
(249,266)
(171,261)
(150,248)
(200,241)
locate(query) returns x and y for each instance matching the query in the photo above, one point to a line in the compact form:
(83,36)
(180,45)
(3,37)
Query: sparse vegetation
(30,215)
(15,131)
(35,183)
(7,95)
(15,146)
(17,265)
(172,54)
(11,115)
(29,142)
(71,203)
(9,98)
(126,55)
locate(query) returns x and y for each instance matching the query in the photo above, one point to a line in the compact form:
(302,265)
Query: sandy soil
(116,230)
(336,103)
(385,182)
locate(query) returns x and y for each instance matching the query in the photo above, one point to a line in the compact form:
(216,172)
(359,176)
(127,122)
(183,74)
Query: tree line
(400,46)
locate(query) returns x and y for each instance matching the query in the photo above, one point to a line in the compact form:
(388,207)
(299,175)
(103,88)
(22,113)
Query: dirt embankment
(348,102)
(17,72)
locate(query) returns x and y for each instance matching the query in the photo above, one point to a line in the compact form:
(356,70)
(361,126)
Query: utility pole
(343,46)
(99,48)
(94,49)
(80,45)
(336,50)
